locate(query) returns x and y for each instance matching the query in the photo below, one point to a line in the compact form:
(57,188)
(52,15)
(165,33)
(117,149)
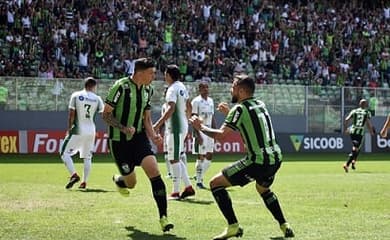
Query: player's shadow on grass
(94,190)
(277,238)
(140,235)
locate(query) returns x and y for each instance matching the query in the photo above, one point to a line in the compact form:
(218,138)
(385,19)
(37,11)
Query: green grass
(319,200)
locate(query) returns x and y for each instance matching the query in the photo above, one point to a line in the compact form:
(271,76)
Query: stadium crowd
(333,42)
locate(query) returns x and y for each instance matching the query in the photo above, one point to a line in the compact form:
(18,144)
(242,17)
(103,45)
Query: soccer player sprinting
(175,119)
(263,159)
(360,118)
(83,106)
(203,145)
(127,111)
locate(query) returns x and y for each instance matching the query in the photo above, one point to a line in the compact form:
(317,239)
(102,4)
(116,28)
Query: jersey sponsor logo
(382,143)
(81,98)
(316,143)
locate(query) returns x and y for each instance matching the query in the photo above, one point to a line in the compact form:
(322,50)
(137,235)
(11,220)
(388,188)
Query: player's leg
(86,151)
(150,167)
(270,199)
(196,147)
(122,154)
(352,157)
(69,148)
(232,175)
(188,190)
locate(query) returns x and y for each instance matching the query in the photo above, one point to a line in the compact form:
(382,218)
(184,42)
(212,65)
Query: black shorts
(128,154)
(245,171)
(357,140)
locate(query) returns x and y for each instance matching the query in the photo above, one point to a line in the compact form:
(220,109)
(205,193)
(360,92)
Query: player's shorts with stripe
(175,145)
(78,143)
(245,171)
(206,147)
(129,154)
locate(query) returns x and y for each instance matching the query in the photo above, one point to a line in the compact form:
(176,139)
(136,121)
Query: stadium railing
(324,107)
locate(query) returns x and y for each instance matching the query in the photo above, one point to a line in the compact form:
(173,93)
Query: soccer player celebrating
(360,117)
(263,159)
(83,106)
(127,112)
(203,146)
(175,119)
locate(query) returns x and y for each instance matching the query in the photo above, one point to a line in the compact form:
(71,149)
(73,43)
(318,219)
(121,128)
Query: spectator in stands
(316,31)
(3,97)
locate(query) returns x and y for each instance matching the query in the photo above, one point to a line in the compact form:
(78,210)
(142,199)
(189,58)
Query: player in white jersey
(165,147)
(83,106)
(203,146)
(175,119)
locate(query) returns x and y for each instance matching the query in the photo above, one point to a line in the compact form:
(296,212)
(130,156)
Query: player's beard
(234,99)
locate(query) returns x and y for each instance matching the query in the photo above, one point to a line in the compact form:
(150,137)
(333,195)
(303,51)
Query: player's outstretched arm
(386,127)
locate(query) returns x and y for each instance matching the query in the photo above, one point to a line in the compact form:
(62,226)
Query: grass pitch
(319,200)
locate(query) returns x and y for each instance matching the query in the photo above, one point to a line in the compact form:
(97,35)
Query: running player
(360,118)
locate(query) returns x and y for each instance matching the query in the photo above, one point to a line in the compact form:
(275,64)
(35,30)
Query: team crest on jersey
(181,92)
(81,98)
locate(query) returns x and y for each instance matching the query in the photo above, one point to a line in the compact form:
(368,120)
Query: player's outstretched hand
(223,107)
(196,122)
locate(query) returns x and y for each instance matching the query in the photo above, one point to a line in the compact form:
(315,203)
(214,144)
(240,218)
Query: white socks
(168,164)
(67,159)
(87,168)
(198,169)
(201,168)
(206,165)
(176,176)
(184,174)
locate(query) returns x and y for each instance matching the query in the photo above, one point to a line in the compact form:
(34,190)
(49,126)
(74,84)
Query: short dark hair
(173,71)
(89,82)
(246,82)
(143,63)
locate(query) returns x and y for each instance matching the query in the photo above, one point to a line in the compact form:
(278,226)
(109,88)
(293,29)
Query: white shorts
(206,147)
(175,145)
(78,143)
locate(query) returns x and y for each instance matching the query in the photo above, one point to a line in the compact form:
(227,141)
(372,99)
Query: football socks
(160,195)
(224,202)
(272,203)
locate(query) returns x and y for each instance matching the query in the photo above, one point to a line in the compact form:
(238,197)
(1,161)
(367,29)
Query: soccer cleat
(73,179)
(83,185)
(188,191)
(200,186)
(353,165)
(123,191)
(174,196)
(165,224)
(287,230)
(345,168)
(233,230)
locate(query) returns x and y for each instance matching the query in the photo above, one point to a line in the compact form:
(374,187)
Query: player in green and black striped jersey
(263,159)
(127,112)
(360,118)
